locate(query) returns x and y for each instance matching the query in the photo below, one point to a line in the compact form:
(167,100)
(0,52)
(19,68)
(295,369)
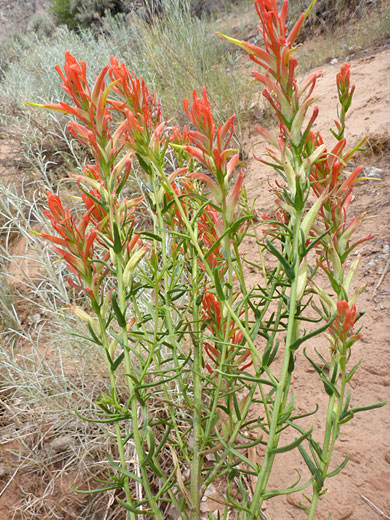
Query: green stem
(283,385)
(118,434)
(230,443)
(134,409)
(156,358)
(197,458)
(331,434)
(314,502)
(167,306)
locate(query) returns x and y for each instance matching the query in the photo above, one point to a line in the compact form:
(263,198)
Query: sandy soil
(366,438)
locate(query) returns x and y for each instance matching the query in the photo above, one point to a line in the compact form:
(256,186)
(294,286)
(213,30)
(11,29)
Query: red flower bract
(237,353)
(341,330)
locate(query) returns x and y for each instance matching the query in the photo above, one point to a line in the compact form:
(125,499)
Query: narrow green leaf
(218,286)
(151,203)
(306,414)
(121,470)
(120,186)
(224,409)
(112,419)
(115,364)
(352,371)
(270,353)
(82,336)
(293,444)
(313,363)
(94,491)
(144,165)
(345,417)
(155,469)
(97,201)
(291,364)
(168,484)
(304,338)
(151,447)
(288,491)
(95,338)
(150,235)
(175,294)
(330,388)
(236,407)
(118,313)
(117,239)
(132,509)
(347,402)
(313,243)
(286,266)
(313,470)
(368,407)
(334,374)
(240,456)
(338,469)
(226,232)
(164,438)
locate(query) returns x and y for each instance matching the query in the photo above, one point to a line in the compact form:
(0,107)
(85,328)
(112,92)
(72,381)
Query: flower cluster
(345,92)
(77,241)
(187,321)
(301,154)
(341,330)
(142,111)
(86,242)
(210,147)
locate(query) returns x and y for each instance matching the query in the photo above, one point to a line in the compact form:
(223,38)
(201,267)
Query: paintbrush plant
(169,303)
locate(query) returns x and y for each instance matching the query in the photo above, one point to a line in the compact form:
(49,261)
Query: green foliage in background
(76,13)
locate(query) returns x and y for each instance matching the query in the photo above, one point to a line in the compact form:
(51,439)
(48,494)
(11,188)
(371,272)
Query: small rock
(359,480)
(334,61)
(210,457)
(61,443)
(211,489)
(344,512)
(370,263)
(373,172)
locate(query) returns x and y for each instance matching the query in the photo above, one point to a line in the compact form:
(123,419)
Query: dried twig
(381,278)
(373,506)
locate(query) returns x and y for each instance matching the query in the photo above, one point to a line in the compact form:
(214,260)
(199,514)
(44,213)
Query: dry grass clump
(44,372)
(52,448)
(377,145)
(43,383)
